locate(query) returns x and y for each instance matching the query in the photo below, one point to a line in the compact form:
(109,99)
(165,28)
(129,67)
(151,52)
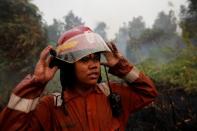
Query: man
(84,104)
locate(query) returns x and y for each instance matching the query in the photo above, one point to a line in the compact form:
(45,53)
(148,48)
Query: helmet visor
(80,46)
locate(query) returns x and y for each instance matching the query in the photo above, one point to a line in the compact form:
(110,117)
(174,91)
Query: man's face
(87,69)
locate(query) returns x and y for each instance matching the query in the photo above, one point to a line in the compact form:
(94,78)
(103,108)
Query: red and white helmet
(78,42)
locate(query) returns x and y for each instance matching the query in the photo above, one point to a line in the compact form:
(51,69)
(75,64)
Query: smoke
(162,50)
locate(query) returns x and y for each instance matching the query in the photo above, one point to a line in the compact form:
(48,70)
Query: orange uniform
(92,112)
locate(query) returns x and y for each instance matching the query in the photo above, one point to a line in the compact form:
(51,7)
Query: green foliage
(180,72)
(21,33)
(188,21)
(136,27)
(151,35)
(166,22)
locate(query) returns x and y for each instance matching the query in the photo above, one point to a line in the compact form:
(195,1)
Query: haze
(113,12)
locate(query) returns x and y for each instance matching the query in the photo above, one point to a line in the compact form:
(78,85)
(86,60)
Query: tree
(166,22)
(136,27)
(22,37)
(128,34)
(189,20)
(21,28)
(54,30)
(101,30)
(71,21)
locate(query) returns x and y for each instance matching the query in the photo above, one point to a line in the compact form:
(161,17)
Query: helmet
(79,42)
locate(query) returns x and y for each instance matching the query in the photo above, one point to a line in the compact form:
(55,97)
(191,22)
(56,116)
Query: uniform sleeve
(23,110)
(139,90)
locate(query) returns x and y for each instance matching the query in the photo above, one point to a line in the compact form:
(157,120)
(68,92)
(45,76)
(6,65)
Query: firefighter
(85,103)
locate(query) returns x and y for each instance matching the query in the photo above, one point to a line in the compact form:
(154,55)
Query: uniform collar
(71,94)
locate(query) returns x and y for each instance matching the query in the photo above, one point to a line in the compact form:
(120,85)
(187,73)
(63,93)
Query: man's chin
(92,82)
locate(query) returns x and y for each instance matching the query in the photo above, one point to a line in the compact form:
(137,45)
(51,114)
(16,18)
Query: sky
(113,12)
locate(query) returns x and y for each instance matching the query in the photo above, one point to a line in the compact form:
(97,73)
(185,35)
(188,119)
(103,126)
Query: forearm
(139,91)
(26,94)
(133,76)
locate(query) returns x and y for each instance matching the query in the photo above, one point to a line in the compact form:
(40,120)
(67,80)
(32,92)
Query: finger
(109,45)
(49,59)
(115,50)
(54,69)
(106,54)
(114,47)
(44,54)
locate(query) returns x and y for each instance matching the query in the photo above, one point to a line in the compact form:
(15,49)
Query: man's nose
(92,64)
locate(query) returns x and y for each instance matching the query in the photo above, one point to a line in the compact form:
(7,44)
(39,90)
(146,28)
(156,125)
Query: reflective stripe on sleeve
(22,104)
(132,75)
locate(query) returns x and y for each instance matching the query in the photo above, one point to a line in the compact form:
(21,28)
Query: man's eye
(85,59)
(97,57)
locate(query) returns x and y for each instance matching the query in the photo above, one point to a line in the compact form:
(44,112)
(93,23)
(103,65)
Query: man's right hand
(43,73)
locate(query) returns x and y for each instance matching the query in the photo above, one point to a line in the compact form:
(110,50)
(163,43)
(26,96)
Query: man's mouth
(93,75)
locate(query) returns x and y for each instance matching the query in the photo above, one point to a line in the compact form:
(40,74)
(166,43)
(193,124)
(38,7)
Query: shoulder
(118,86)
(105,87)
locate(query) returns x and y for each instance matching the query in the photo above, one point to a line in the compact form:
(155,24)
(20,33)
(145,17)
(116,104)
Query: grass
(180,72)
